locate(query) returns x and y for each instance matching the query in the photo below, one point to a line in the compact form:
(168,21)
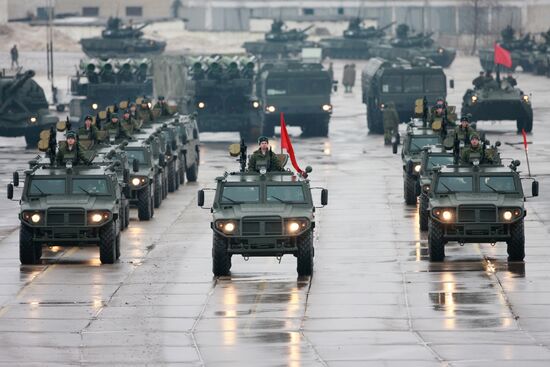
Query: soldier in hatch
(475,151)
(88,131)
(464,131)
(71,151)
(144,112)
(115,128)
(264,156)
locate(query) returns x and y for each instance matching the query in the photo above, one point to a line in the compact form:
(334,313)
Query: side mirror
(135,165)
(394,147)
(324,197)
(335,88)
(452,84)
(10,191)
(162,160)
(195,134)
(309,169)
(200,198)
(535,188)
(517,163)
(498,143)
(473,125)
(409,167)
(16,178)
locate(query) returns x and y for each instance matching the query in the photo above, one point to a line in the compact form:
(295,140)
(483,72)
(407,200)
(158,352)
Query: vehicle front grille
(477,214)
(60,216)
(257,226)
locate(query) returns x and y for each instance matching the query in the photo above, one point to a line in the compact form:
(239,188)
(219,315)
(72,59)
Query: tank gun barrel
(306,28)
(381,29)
(139,28)
(19,80)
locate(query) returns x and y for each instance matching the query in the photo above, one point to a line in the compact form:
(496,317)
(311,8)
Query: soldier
(464,131)
(475,151)
(127,122)
(510,80)
(88,131)
(479,81)
(71,151)
(330,71)
(135,117)
(264,154)
(439,116)
(162,106)
(352,75)
(14,53)
(345,79)
(115,128)
(391,122)
(145,114)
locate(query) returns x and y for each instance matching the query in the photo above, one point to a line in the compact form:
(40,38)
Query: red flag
(286,144)
(502,56)
(524,138)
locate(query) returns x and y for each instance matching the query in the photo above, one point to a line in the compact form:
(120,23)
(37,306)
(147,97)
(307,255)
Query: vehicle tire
(192,172)
(436,243)
(268,129)
(525,123)
(322,129)
(165,185)
(118,246)
(304,257)
(121,219)
(27,249)
(409,190)
(516,243)
(423,214)
(158,192)
(181,170)
(171,177)
(127,216)
(144,203)
(221,259)
(108,243)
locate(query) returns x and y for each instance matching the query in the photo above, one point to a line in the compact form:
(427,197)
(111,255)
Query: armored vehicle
(221,91)
(262,214)
(71,206)
(279,42)
(119,40)
(477,204)
(98,84)
(520,50)
(540,57)
(186,145)
(355,41)
(299,90)
(402,83)
(145,179)
(498,100)
(23,107)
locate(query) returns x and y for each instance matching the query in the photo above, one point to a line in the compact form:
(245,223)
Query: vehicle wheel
(165,185)
(321,129)
(121,218)
(410,190)
(152,200)
(127,216)
(108,243)
(423,214)
(118,246)
(144,203)
(181,171)
(304,256)
(516,243)
(192,172)
(525,123)
(221,259)
(27,249)
(171,178)
(268,128)
(157,193)
(436,244)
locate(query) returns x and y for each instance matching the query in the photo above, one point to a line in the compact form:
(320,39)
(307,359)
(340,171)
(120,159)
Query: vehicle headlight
(426,188)
(95,106)
(440,50)
(417,168)
(137,181)
(525,98)
(33,217)
(447,215)
(509,214)
(33,120)
(382,106)
(474,99)
(295,226)
(97,217)
(270,109)
(228,226)
(201,105)
(255,104)
(444,214)
(327,107)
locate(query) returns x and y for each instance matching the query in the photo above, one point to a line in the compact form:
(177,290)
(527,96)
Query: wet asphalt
(374,298)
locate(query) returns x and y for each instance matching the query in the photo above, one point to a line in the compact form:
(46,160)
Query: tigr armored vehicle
(119,40)
(23,107)
(355,41)
(262,214)
(145,180)
(402,83)
(221,91)
(299,90)
(477,204)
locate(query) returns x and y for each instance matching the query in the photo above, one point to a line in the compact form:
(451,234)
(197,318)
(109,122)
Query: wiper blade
(447,187)
(87,192)
(231,200)
(491,187)
(279,199)
(38,188)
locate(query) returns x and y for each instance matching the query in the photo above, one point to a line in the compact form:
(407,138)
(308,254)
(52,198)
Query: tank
(279,42)
(540,57)
(409,46)
(23,107)
(520,49)
(120,40)
(355,42)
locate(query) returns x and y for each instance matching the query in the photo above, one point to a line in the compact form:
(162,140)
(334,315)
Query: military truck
(298,89)
(70,206)
(23,107)
(477,204)
(99,84)
(118,40)
(498,100)
(262,213)
(402,83)
(221,91)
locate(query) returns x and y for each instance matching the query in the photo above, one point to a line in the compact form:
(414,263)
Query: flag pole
(525,145)
(281,124)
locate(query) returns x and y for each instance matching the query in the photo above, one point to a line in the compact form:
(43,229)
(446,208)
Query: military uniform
(479,81)
(464,134)
(470,153)
(74,153)
(88,134)
(391,122)
(272,161)
(116,128)
(145,115)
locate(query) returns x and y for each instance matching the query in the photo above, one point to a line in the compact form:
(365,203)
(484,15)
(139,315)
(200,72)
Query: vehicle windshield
(434,84)
(418,142)
(285,194)
(497,184)
(136,154)
(49,186)
(240,194)
(297,86)
(447,184)
(90,186)
(439,161)
(392,84)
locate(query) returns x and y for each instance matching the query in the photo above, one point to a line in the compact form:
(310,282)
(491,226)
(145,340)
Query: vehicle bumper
(65,235)
(477,232)
(262,246)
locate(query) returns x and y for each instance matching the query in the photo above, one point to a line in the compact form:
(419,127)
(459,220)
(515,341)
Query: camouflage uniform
(88,134)
(464,134)
(116,128)
(391,122)
(74,153)
(272,161)
(145,115)
(469,153)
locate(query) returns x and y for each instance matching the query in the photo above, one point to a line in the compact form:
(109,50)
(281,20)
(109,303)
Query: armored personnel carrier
(279,42)
(355,42)
(520,50)
(258,213)
(540,57)
(23,107)
(119,40)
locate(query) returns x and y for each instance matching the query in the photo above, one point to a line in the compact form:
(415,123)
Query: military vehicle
(187,146)
(520,50)
(70,206)
(98,84)
(119,40)
(498,100)
(540,57)
(145,179)
(298,89)
(221,91)
(410,46)
(477,204)
(262,214)
(400,82)
(279,42)
(355,41)
(23,107)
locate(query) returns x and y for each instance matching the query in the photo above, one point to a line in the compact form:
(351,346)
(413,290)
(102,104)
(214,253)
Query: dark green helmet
(70,134)
(262,138)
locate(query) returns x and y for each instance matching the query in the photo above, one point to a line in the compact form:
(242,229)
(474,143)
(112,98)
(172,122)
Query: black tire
(409,187)
(121,218)
(158,192)
(181,170)
(127,216)
(108,243)
(171,177)
(164,185)
(27,249)
(144,204)
(192,172)
(423,214)
(221,259)
(525,123)
(118,246)
(304,257)
(436,243)
(516,243)
(320,129)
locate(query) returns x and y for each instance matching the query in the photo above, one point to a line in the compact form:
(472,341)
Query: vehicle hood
(76,201)
(477,199)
